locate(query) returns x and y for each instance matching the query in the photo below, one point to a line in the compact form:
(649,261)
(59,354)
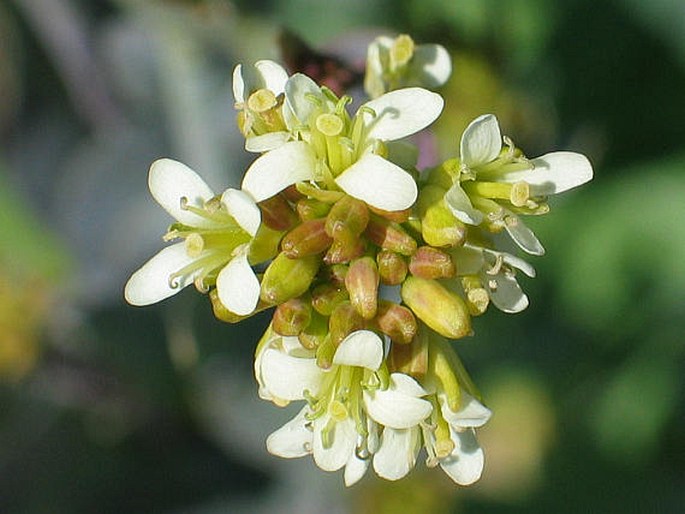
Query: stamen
(262,100)
(520,192)
(342,103)
(401,51)
(492,284)
(495,269)
(194,244)
(329,124)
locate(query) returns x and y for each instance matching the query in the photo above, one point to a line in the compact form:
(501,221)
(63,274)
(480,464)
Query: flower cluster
(370,265)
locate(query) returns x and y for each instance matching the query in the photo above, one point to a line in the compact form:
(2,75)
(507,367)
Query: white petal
(275,170)
(150,284)
(273,75)
(266,142)
(238,84)
(287,377)
(518,263)
(237,286)
(343,441)
(397,454)
(402,113)
(298,97)
(481,141)
(431,64)
(470,259)
(406,385)
(169,181)
(379,183)
(522,235)
(459,203)
(465,464)
(355,469)
(554,173)
(395,408)
(507,294)
(243,209)
(362,348)
(293,439)
(471,413)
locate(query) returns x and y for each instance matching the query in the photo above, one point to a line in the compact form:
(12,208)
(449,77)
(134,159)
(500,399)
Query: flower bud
(429,262)
(277,213)
(439,227)
(440,309)
(347,218)
(315,333)
(264,246)
(390,236)
(344,250)
(362,284)
(343,321)
(287,278)
(292,317)
(309,209)
(327,296)
(396,216)
(308,238)
(337,273)
(396,321)
(392,268)
(324,353)
(222,313)
(412,358)
(292,194)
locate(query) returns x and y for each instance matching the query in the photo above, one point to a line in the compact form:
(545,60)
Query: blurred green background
(106,408)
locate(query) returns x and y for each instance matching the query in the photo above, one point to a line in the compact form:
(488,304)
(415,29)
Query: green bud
(429,262)
(343,321)
(324,353)
(287,278)
(309,209)
(437,307)
(292,317)
(389,236)
(439,227)
(315,333)
(392,267)
(327,296)
(344,249)
(347,218)
(308,238)
(362,284)
(222,313)
(264,246)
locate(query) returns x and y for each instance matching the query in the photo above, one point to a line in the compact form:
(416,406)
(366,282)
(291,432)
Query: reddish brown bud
(362,284)
(429,262)
(292,317)
(396,216)
(337,274)
(309,209)
(392,267)
(396,321)
(412,358)
(344,250)
(277,213)
(327,296)
(308,238)
(390,236)
(343,321)
(347,219)
(292,194)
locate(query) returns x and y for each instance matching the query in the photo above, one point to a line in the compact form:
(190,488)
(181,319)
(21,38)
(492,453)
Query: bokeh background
(106,408)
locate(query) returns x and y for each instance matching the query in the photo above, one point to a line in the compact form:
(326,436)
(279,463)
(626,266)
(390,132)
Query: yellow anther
(338,411)
(194,244)
(520,193)
(329,124)
(402,50)
(262,100)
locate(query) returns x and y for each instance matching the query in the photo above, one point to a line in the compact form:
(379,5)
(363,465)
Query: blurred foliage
(106,408)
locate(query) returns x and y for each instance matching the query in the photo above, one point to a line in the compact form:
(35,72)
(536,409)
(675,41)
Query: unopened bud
(362,284)
(392,267)
(439,227)
(344,250)
(264,245)
(437,307)
(396,216)
(327,296)
(347,219)
(277,213)
(337,273)
(222,313)
(343,321)
(396,321)
(324,353)
(315,333)
(389,236)
(292,317)
(309,209)
(323,195)
(287,278)
(412,358)
(477,298)
(429,262)
(308,238)
(292,194)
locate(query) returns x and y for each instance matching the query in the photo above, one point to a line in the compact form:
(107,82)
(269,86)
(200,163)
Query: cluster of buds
(370,265)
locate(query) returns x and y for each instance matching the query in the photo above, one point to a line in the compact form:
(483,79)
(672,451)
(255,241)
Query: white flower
(346,403)
(216,233)
(345,153)
(501,180)
(393,63)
